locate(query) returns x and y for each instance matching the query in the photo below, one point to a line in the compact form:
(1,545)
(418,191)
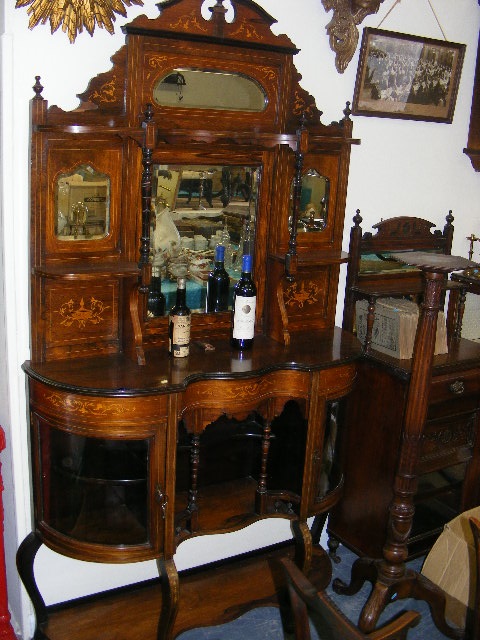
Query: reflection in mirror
(205,89)
(82,204)
(195,208)
(313,207)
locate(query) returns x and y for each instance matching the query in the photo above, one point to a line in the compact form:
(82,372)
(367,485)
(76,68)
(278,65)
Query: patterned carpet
(265,623)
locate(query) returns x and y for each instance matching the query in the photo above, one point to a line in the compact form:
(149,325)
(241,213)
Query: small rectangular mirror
(82,204)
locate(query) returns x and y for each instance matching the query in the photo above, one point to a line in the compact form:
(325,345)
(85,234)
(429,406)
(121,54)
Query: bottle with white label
(244,304)
(179,320)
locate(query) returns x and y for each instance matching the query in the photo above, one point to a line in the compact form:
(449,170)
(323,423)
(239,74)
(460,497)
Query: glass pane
(204,89)
(195,208)
(313,206)
(82,204)
(95,490)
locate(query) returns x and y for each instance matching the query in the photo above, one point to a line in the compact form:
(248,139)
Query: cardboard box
(451,565)
(395,326)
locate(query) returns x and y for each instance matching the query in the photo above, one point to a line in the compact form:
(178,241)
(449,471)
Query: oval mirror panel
(202,89)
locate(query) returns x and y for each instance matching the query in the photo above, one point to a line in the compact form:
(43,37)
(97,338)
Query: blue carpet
(265,623)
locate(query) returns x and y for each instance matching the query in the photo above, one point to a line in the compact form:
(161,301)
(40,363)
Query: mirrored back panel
(195,208)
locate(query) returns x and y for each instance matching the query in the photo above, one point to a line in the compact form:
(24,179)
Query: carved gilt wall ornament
(74,15)
(342,28)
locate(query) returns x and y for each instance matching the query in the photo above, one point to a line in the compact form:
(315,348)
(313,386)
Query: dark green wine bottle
(156,299)
(218,283)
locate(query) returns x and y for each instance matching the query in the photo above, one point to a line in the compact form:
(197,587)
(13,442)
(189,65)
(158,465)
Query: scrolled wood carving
(342,28)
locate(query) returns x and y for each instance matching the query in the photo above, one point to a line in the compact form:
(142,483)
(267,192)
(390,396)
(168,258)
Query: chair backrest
(369,264)
(332,624)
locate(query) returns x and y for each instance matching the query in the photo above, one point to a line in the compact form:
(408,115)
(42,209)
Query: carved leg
(261,495)
(317,527)
(303,544)
(363,570)
(192,507)
(25,559)
(423,589)
(412,585)
(170,598)
(376,603)
(333,544)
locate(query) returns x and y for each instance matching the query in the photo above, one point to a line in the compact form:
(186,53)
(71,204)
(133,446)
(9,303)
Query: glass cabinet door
(94,490)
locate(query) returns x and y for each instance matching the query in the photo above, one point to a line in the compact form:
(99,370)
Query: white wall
(400,168)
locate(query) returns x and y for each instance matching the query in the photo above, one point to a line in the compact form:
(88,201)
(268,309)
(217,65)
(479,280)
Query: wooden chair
(333,624)
(473,631)
(372,275)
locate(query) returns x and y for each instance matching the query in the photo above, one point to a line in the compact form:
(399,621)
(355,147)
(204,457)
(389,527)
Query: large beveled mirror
(82,204)
(313,204)
(209,89)
(195,208)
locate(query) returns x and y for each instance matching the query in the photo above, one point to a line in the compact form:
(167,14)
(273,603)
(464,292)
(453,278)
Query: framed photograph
(404,76)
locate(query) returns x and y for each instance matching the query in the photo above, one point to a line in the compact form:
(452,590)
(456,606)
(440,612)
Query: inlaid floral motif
(188,22)
(87,407)
(301,294)
(247,30)
(106,93)
(82,314)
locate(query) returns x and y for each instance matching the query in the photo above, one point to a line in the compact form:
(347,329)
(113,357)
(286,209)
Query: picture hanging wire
(431,7)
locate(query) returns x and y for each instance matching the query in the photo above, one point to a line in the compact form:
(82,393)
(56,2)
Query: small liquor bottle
(179,320)
(218,283)
(244,303)
(156,299)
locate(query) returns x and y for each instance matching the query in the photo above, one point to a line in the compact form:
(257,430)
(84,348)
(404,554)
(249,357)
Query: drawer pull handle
(457,387)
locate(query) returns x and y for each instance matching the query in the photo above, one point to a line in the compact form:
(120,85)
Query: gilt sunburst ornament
(75,15)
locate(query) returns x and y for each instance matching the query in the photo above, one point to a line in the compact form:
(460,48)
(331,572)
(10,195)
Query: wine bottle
(243,311)
(225,240)
(156,299)
(218,283)
(179,320)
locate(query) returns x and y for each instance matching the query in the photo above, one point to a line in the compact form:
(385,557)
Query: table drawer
(447,442)
(457,385)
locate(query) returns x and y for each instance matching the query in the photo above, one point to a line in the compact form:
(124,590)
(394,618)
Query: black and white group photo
(406,74)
